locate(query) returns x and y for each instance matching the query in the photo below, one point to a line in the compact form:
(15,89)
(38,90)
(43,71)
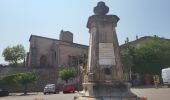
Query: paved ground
(39,96)
(153,93)
(150,93)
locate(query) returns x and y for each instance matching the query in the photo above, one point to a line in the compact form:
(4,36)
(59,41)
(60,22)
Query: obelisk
(105,71)
(104,58)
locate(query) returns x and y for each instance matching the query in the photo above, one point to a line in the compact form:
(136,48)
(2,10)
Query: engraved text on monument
(106,54)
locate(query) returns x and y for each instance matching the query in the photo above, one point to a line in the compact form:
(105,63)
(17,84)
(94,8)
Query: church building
(47,52)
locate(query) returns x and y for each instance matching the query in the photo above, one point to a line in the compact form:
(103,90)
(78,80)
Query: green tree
(67,73)
(6,81)
(18,79)
(14,54)
(127,56)
(25,78)
(152,55)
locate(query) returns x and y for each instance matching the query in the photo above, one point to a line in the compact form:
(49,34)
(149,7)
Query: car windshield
(49,85)
(70,84)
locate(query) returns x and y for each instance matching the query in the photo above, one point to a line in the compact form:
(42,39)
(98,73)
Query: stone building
(138,41)
(47,52)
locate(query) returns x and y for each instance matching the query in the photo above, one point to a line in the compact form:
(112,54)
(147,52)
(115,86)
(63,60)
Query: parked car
(51,88)
(3,93)
(69,87)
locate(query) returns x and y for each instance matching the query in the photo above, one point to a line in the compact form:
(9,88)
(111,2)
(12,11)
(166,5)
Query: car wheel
(58,92)
(44,93)
(64,92)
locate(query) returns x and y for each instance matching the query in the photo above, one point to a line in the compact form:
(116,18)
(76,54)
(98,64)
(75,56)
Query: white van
(166,76)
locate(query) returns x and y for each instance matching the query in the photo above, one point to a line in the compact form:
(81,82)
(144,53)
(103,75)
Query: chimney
(136,37)
(127,39)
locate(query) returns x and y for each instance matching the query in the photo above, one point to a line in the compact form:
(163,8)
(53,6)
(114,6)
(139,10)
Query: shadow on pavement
(148,86)
(22,94)
(143,86)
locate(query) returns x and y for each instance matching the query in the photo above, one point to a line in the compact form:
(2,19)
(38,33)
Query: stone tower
(66,36)
(105,74)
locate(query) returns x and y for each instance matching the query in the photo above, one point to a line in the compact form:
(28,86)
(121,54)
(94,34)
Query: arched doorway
(43,61)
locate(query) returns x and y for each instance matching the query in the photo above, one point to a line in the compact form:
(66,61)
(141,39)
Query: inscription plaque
(106,54)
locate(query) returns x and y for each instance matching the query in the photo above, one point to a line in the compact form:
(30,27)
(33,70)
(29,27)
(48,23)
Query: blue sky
(21,18)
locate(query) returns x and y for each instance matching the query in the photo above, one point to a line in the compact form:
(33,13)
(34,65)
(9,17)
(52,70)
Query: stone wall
(44,76)
(66,50)
(39,47)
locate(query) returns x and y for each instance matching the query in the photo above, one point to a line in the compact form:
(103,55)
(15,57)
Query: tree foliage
(14,54)
(148,57)
(127,56)
(67,73)
(18,79)
(8,81)
(24,79)
(152,56)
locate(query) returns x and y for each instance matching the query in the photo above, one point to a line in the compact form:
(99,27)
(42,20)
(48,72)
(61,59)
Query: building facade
(46,52)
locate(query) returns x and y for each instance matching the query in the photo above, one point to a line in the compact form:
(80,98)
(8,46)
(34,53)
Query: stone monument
(104,71)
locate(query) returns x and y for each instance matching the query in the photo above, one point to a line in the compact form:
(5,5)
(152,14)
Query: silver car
(50,88)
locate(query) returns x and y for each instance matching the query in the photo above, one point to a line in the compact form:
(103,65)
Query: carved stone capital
(102,19)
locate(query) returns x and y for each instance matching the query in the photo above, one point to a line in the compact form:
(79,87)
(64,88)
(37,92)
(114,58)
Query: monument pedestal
(106,91)
(104,70)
